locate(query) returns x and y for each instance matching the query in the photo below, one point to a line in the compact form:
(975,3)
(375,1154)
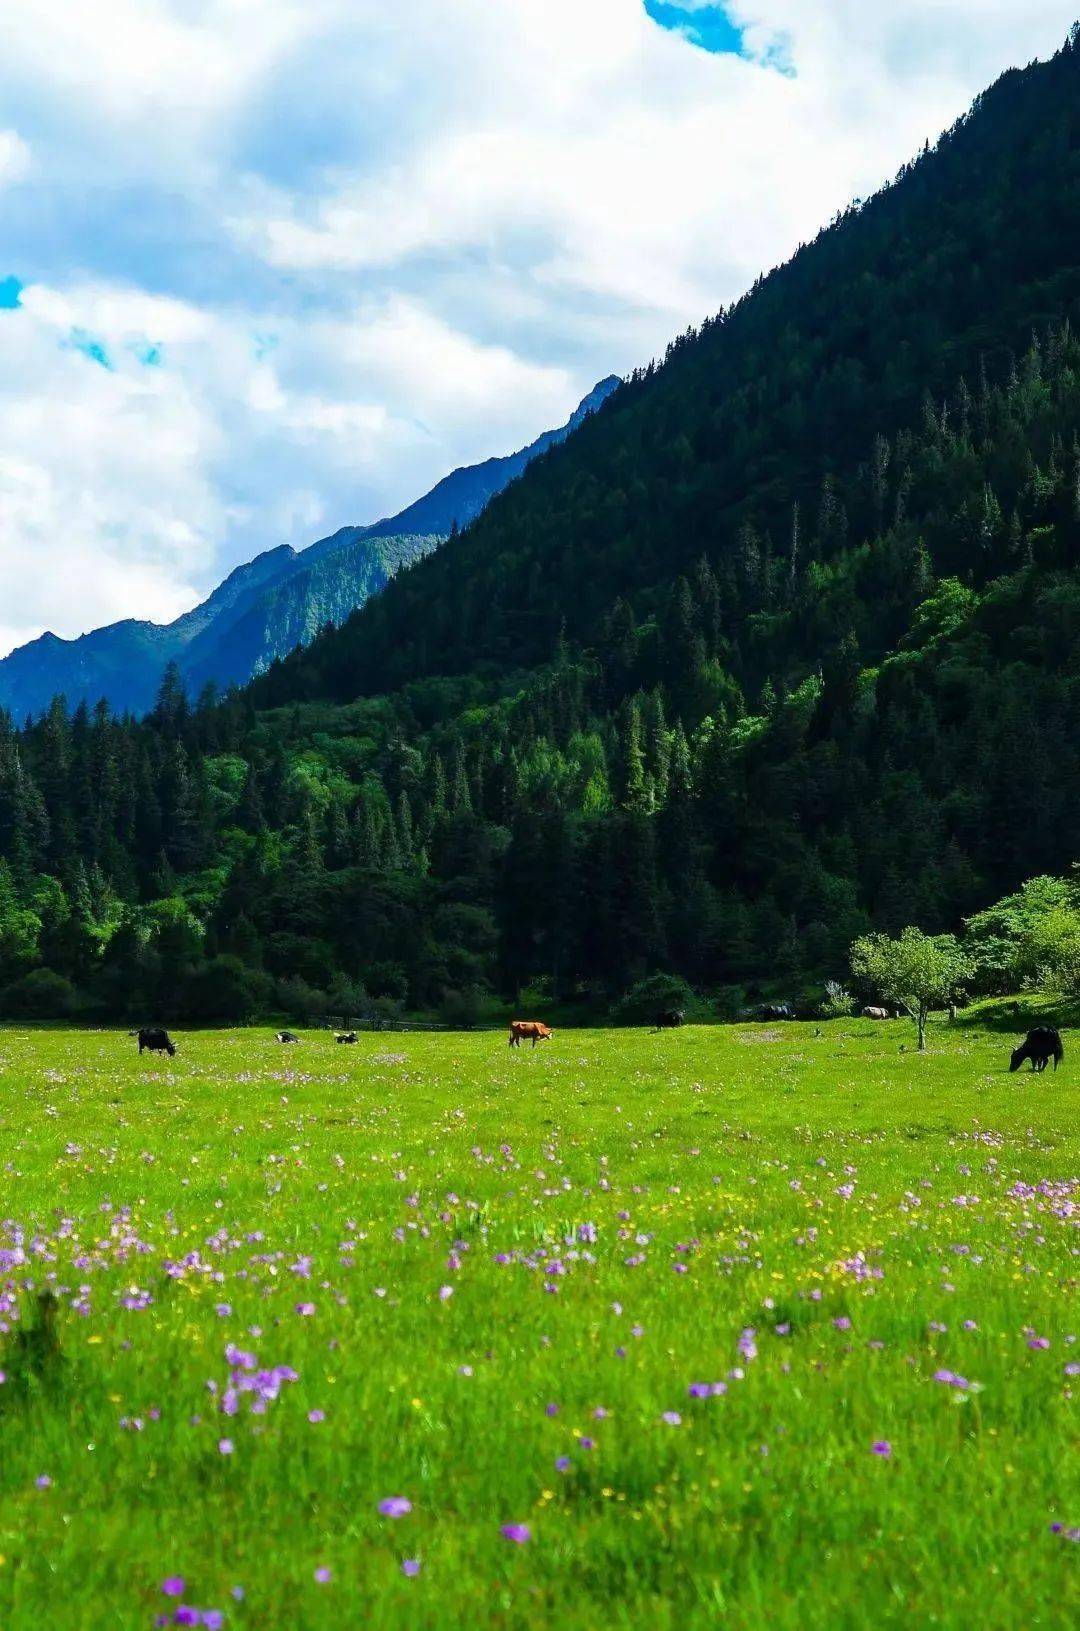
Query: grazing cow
(877,1013)
(346,1037)
(669,1020)
(287,1036)
(1041,1045)
(156,1040)
(528,1029)
(777,1010)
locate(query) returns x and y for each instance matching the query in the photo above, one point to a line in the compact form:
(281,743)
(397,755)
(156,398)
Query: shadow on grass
(33,1360)
(1016,1016)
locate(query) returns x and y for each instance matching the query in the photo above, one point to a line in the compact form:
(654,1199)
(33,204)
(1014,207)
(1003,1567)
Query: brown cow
(524,1029)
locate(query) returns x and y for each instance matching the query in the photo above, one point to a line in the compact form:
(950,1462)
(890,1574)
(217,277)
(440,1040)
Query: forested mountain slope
(944,275)
(781,643)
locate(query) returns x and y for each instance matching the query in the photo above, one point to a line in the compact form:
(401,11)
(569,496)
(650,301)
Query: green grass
(723,1151)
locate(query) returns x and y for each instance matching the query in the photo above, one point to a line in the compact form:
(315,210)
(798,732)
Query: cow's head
(1018,1057)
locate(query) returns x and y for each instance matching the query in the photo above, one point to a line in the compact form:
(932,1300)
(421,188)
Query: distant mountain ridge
(265,608)
(461,496)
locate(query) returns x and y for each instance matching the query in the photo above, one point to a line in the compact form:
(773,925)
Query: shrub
(41,994)
(223,989)
(462,1009)
(654,995)
(301,1001)
(838,1003)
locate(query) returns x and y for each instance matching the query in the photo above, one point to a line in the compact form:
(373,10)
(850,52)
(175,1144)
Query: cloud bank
(278,265)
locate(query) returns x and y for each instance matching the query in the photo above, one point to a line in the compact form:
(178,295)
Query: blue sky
(272,269)
(707,26)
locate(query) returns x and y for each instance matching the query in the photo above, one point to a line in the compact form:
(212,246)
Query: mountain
(125,661)
(460,497)
(780,646)
(290,610)
(944,275)
(263,609)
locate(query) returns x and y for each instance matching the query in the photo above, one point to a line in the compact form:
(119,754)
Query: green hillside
(781,644)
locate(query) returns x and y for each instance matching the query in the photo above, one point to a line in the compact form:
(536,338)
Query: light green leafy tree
(1055,950)
(916,970)
(1019,941)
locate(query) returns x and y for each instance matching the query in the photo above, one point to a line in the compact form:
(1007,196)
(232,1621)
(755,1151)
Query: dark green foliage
(33,1358)
(41,994)
(657,994)
(780,647)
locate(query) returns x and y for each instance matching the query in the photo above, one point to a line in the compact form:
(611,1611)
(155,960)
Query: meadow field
(728,1326)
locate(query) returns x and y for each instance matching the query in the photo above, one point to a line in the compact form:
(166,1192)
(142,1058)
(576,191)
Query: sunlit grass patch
(635,1330)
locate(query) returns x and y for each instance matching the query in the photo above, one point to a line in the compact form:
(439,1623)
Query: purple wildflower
(395,1506)
(410,1567)
(882,1447)
(173,1585)
(951,1379)
(519,1533)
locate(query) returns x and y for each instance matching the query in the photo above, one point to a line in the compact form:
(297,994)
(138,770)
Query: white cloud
(14,157)
(606,160)
(105,509)
(365,243)
(123,483)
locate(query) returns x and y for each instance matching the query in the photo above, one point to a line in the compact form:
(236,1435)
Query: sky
(271,267)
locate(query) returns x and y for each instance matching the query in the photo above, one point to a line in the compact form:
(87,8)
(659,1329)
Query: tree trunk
(922,1027)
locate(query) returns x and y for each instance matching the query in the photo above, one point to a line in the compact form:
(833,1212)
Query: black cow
(287,1036)
(777,1010)
(1041,1045)
(669,1020)
(156,1040)
(346,1036)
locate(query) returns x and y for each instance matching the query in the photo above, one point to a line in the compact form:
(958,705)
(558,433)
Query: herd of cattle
(1040,1045)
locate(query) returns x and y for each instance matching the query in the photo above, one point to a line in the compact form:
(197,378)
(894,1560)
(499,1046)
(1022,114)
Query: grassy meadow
(729,1326)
